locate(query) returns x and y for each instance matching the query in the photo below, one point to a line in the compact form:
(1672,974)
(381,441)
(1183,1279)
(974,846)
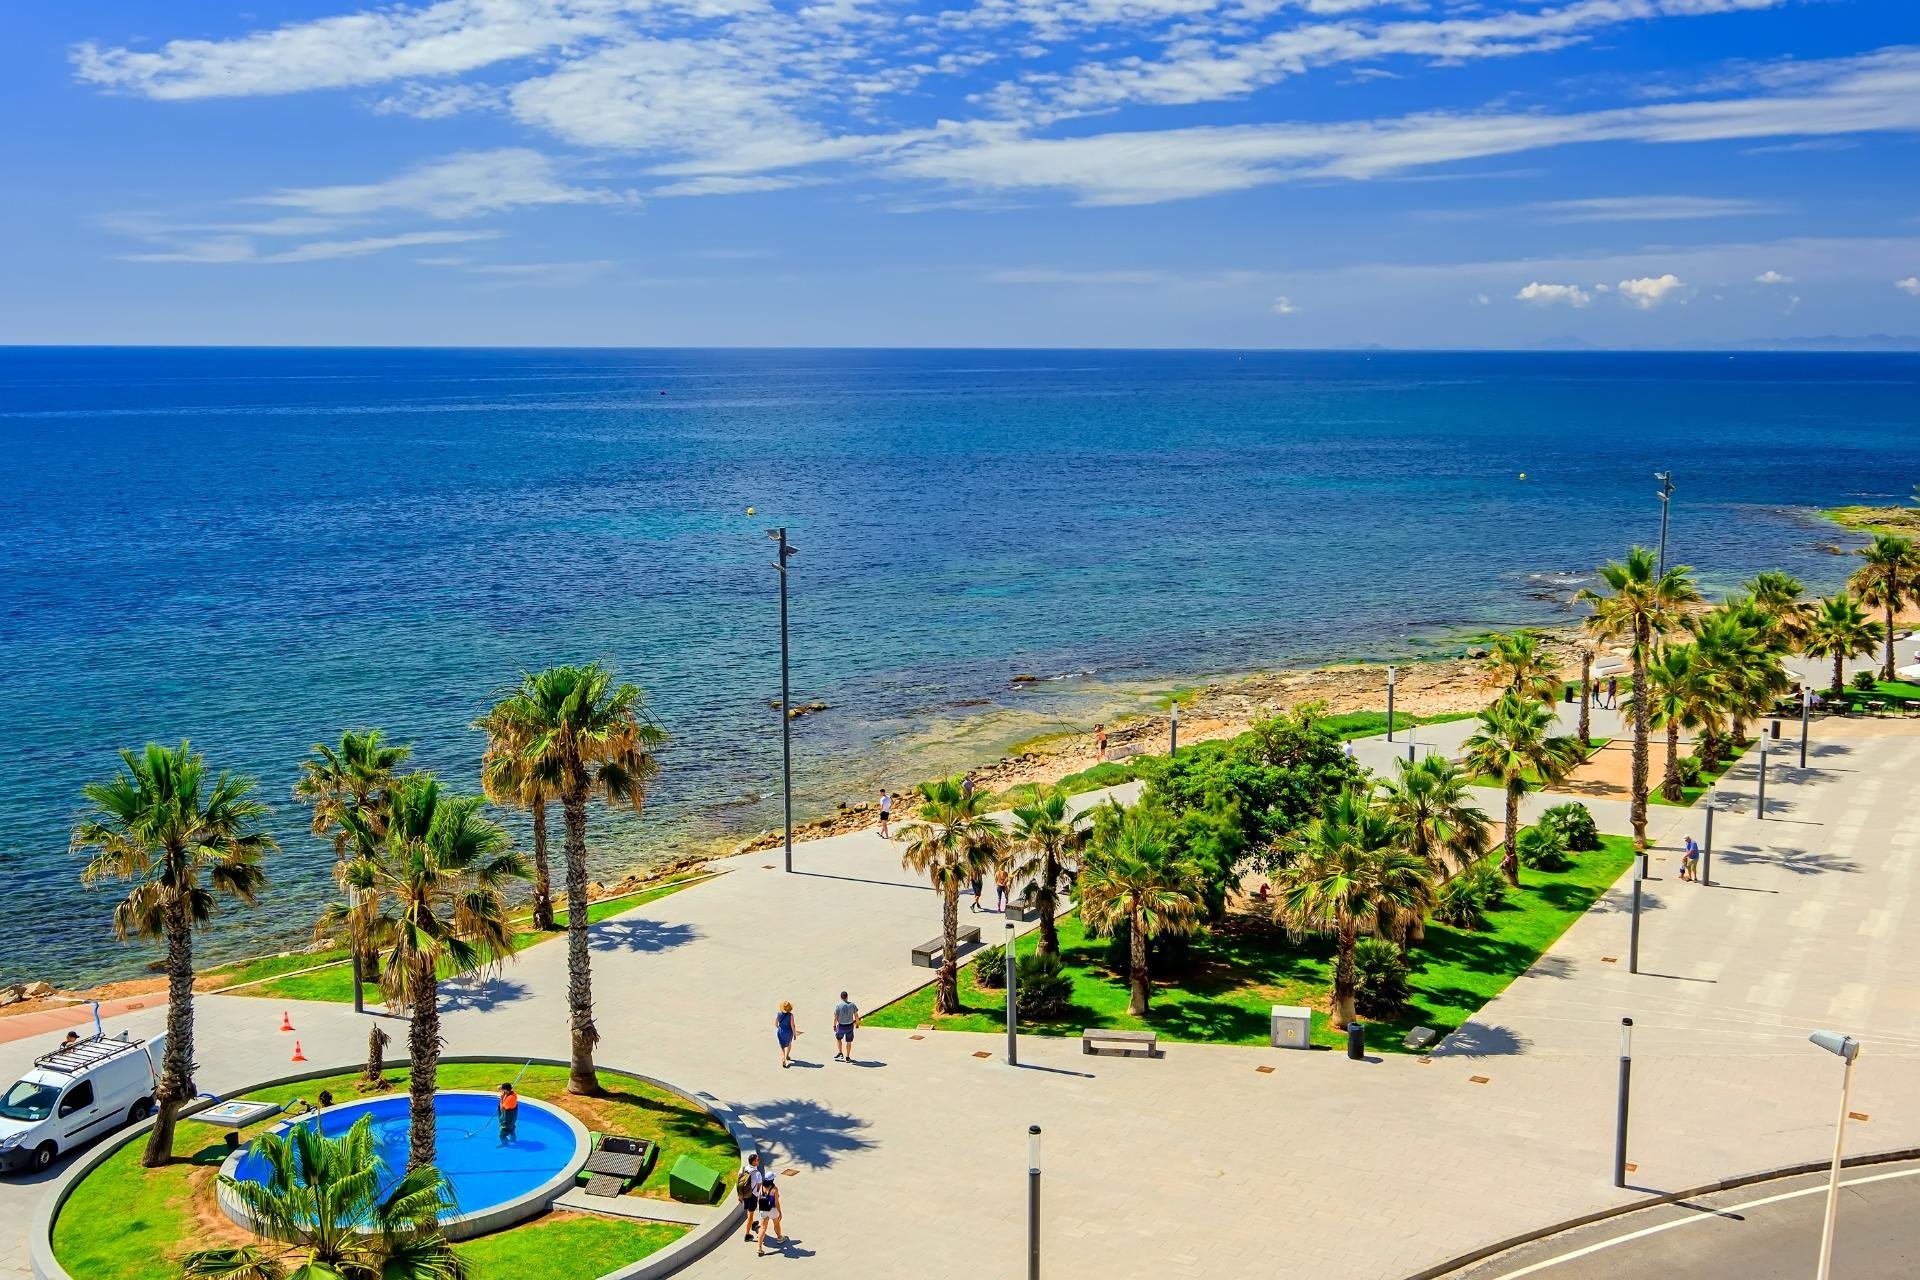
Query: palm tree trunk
(176,1068)
(542,872)
(946,997)
(1140,988)
(1893,594)
(1639,788)
(1346,981)
(1586,698)
(376,1056)
(423,1068)
(581,1077)
(1670,783)
(1510,858)
(1043,899)
(1839,675)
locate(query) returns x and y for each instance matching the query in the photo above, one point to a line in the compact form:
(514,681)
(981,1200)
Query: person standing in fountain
(509,1113)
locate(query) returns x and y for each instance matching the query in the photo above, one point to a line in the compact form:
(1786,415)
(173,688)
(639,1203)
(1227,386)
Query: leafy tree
(1432,804)
(1521,666)
(951,840)
(1640,603)
(1350,872)
(441,869)
(1888,578)
(590,734)
(323,1210)
(1840,630)
(355,777)
(1134,878)
(180,840)
(510,776)
(1515,745)
(1045,833)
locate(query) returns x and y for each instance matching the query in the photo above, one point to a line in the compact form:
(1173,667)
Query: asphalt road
(1768,1230)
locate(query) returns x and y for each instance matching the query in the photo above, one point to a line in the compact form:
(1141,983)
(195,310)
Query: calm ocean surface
(257,548)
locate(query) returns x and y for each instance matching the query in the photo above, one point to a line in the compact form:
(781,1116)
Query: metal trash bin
(1292,1027)
(1776,731)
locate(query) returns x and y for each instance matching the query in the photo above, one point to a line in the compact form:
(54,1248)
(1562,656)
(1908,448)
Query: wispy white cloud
(1770,276)
(1549,295)
(457,186)
(1052,276)
(1648,292)
(1910,286)
(227,250)
(1650,208)
(1283,306)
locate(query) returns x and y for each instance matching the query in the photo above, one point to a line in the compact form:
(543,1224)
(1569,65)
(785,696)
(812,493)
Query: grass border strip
(688,1248)
(1481,1254)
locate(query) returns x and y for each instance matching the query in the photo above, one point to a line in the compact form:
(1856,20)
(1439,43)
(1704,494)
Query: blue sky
(1237,173)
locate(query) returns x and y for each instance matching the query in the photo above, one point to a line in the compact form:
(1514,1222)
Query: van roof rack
(92,1051)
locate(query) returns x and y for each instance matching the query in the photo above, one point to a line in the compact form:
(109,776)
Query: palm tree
(1515,744)
(592,736)
(1840,630)
(1521,666)
(1741,645)
(1783,598)
(1439,820)
(951,841)
(1586,695)
(1350,872)
(1642,603)
(508,777)
(1044,830)
(1888,579)
(1684,689)
(443,869)
(1133,876)
(180,840)
(354,777)
(322,1207)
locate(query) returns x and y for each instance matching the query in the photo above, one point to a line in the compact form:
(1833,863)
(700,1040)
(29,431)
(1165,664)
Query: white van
(75,1094)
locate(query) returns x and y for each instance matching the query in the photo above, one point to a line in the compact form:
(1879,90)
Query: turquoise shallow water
(257,548)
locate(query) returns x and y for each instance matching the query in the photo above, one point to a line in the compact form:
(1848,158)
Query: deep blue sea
(256,548)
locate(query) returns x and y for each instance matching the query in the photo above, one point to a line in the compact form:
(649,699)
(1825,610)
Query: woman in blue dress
(784,1031)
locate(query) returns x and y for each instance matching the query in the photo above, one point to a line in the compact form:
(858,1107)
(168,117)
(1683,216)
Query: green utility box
(692,1181)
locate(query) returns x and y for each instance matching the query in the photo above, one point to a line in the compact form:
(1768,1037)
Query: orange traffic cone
(297,1055)
(286,1021)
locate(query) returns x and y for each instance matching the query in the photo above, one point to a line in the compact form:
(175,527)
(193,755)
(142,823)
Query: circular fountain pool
(495,1183)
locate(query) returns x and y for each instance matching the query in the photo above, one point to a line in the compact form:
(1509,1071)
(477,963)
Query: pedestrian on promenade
(766,1213)
(1613,692)
(1001,883)
(1100,741)
(784,1031)
(746,1187)
(886,814)
(1690,861)
(846,1016)
(975,886)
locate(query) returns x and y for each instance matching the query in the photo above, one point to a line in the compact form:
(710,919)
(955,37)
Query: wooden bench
(1127,1044)
(927,954)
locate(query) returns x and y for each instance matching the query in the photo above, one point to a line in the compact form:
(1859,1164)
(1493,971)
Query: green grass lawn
(130,1223)
(1241,969)
(1594,746)
(1656,769)
(1882,690)
(327,975)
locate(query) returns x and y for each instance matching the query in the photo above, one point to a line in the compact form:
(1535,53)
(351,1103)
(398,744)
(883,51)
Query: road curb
(1452,1265)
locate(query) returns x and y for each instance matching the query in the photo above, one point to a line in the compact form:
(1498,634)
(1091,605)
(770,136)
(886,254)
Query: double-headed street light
(1846,1048)
(1666,502)
(787,550)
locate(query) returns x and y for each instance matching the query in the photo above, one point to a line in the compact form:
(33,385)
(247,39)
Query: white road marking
(1709,1215)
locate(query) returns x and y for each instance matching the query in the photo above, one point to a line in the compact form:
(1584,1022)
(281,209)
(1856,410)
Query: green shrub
(1575,824)
(1543,848)
(1383,989)
(990,968)
(1865,681)
(1466,899)
(1689,767)
(1045,992)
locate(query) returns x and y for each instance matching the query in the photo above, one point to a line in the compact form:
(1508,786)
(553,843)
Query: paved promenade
(912,1161)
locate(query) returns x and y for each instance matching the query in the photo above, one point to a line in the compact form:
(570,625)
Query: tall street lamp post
(1846,1048)
(1620,1107)
(787,550)
(1389,704)
(1666,503)
(1806,705)
(1033,1202)
(1013,1001)
(1173,731)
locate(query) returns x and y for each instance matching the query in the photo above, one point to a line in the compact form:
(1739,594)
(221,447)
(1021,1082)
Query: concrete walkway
(912,1161)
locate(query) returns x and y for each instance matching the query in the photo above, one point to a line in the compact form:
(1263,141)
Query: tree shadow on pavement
(1482,1040)
(642,935)
(477,993)
(807,1133)
(1801,862)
